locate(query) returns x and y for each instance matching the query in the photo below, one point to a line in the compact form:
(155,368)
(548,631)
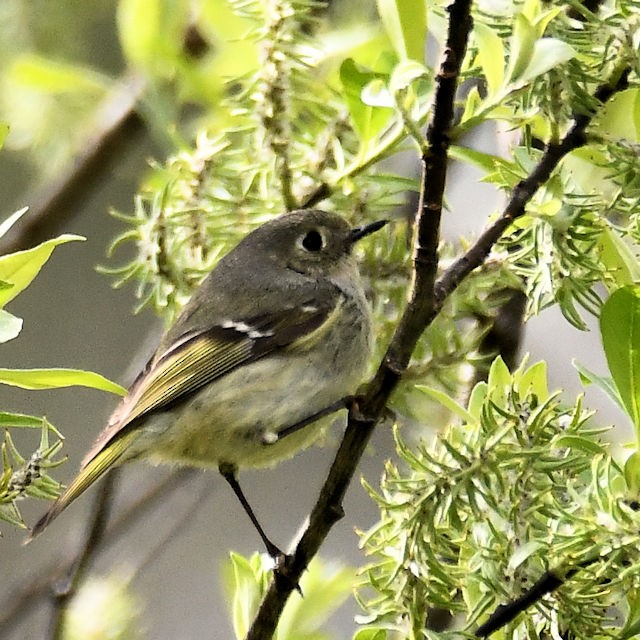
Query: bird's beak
(357,233)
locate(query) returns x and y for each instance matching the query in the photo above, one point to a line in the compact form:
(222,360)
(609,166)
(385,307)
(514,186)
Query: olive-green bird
(276,334)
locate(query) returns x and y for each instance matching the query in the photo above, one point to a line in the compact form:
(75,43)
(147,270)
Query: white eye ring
(312,241)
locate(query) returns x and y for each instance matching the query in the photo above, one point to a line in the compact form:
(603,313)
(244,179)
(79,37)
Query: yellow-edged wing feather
(85,478)
(173,374)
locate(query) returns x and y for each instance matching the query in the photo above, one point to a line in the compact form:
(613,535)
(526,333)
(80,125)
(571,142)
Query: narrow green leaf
(21,267)
(56,77)
(245,593)
(58,378)
(632,473)
(4,132)
(636,114)
(490,55)
(405,73)
(405,22)
(578,443)
(620,330)
(632,625)
(604,383)
(472,105)
(523,553)
(620,116)
(376,94)
(547,54)
(8,420)
(534,380)
(498,381)
(617,257)
(448,402)
(368,120)
(325,588)
(10,326)
(370,634)
(522,44)
(11,220)
(477,398)
(542,21)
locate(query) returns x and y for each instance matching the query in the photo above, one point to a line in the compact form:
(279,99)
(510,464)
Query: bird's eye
(313,241)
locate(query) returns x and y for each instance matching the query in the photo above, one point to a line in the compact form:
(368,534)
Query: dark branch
(364,414)
(116,127)
(524,191)
(425,301)
(505,613)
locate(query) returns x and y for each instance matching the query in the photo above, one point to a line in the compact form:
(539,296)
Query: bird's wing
(188,363)
(198,357)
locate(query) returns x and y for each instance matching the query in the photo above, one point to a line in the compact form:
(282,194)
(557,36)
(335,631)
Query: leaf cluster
(519,485)
(28,475)
(290,139)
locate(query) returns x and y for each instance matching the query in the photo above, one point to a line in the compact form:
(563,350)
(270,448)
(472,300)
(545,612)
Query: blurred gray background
(74,318)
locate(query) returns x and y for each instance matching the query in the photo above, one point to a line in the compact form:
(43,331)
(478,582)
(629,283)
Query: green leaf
(620,330)
(523,552)
(10,420)
(4,132)
(325,587)
(370,634)
(566,440)
(477,398)
(522,43)
(152,32)
(244,585)
(368,120)
(376,94)
(632,473)
(617,257)
(632,624)
(604,383)
(10,326)
(490,55)
(533,380)
(405,22)
(620,116)
(498,381)
(405,73)
(21,267)
(11,220)
(448,402)
(54,77)
(547,54)
(472,105)
(58,378)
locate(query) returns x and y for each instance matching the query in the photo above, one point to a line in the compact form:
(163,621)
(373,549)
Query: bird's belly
(233,419)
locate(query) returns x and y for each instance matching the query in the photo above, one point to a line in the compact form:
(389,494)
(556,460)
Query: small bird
(276,336)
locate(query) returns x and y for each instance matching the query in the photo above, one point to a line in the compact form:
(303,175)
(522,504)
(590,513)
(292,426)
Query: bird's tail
(91,470)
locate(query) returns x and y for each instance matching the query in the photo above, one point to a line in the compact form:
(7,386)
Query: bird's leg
(273,437)
(228,472)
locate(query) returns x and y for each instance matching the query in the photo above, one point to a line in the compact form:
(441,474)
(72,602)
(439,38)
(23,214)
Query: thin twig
(179,523)
(364,416)
(505,613)
(525,190)
(61,597)
(24,599)
(117,125)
